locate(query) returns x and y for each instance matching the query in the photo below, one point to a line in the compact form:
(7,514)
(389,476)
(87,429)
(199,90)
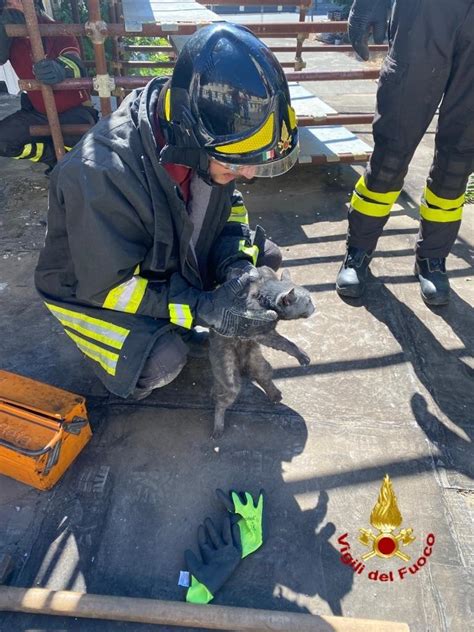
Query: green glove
(220,556)
(251,521)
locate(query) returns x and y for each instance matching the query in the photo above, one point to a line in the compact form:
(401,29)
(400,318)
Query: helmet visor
(268,169)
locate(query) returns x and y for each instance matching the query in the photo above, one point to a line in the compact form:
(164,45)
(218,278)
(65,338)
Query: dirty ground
(389,390)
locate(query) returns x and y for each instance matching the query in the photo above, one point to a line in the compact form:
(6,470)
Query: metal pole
(97,30)
(182,28)
(48,96)
(152,611)
(139,82)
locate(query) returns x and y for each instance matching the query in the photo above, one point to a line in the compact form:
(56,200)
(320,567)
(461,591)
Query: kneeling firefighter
(144,220)
(430,60)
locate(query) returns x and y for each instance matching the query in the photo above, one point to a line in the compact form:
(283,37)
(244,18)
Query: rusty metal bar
(75,129)
(182,28)
(153,611)
(147,48)
(283,3)
(324,48)
(96,30)
(46,91)
(303,121)
(336,119)
(139,82)
(344,158)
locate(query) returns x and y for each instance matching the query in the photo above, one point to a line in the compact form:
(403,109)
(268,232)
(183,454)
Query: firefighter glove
(250,517)
(225,310)
(220,555)
(362,14)
(49,71)
(8,16)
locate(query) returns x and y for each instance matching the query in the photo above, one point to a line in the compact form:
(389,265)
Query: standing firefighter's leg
(412,82)
(443,198)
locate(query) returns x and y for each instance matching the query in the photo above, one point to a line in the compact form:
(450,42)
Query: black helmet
(228,97)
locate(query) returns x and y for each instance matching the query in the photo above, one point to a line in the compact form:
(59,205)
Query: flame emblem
(386,517)
(285,141)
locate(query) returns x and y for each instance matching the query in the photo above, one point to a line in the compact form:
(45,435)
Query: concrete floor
(389,390)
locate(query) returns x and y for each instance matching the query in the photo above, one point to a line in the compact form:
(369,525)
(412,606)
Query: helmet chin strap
(182,146)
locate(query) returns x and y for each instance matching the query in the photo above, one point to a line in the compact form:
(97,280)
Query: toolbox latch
(75,426)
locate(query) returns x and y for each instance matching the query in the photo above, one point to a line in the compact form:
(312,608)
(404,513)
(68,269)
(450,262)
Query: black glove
(49,71)
(362,14)
(8,16)
(225,310)
(220,556)
(238,268)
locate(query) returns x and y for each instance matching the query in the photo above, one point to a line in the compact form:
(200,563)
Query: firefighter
(62,61)
(430,60)
(144,222)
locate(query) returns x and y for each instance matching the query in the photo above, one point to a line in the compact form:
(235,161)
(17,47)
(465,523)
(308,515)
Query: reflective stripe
(384,198)
(180,314)
(444,203)
(76,71)
(239,214)
(251,251)
(107,333)
(127,296)
(292,117)
(39,152)
(369,208)
(168,104)
(26,153)
(262,138)
(439,215)
(106,359)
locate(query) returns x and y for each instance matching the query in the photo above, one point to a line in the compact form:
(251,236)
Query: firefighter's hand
(362,14)
(225,310)
(49,71)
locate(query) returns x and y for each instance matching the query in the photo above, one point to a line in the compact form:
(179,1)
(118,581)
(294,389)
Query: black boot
(352,275)
(434,283)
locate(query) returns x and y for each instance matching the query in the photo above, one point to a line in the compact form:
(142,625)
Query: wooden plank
(331,143)
(137,12)
(306,103)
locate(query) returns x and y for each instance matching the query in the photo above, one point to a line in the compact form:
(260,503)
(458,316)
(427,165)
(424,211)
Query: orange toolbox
(42,430)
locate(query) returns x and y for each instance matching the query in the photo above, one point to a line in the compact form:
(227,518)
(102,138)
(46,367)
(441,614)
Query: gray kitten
(231,358)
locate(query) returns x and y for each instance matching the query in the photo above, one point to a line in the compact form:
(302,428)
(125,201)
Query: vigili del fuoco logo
(386,542)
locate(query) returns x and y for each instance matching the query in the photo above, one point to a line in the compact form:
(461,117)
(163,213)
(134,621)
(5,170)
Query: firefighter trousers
(430,63)
(17,142)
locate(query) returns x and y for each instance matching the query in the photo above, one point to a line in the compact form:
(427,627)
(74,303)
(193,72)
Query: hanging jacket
(118,267)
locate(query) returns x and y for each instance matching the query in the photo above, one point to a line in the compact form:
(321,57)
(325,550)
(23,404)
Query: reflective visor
(268,169)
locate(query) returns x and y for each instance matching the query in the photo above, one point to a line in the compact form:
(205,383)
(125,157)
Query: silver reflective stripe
(106,359)
(100,330)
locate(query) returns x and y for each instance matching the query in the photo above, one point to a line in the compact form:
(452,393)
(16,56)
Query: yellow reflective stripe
(439,215)
(251,251)
(168,105)
(67,148)
(292,117)
(444,203)
(384,198)
(27,149)
(180,314)
(259,140)
(127,296)
(106,359)
(73,66)
(239,214)
(100,330)
(369,208)
(39,152)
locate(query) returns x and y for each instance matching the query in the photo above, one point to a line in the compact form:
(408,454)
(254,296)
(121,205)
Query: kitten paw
(275,397)
(217,433)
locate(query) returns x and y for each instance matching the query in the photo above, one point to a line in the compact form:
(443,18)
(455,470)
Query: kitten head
(294,301)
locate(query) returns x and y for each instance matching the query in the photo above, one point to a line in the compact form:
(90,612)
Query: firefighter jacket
(119,266)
